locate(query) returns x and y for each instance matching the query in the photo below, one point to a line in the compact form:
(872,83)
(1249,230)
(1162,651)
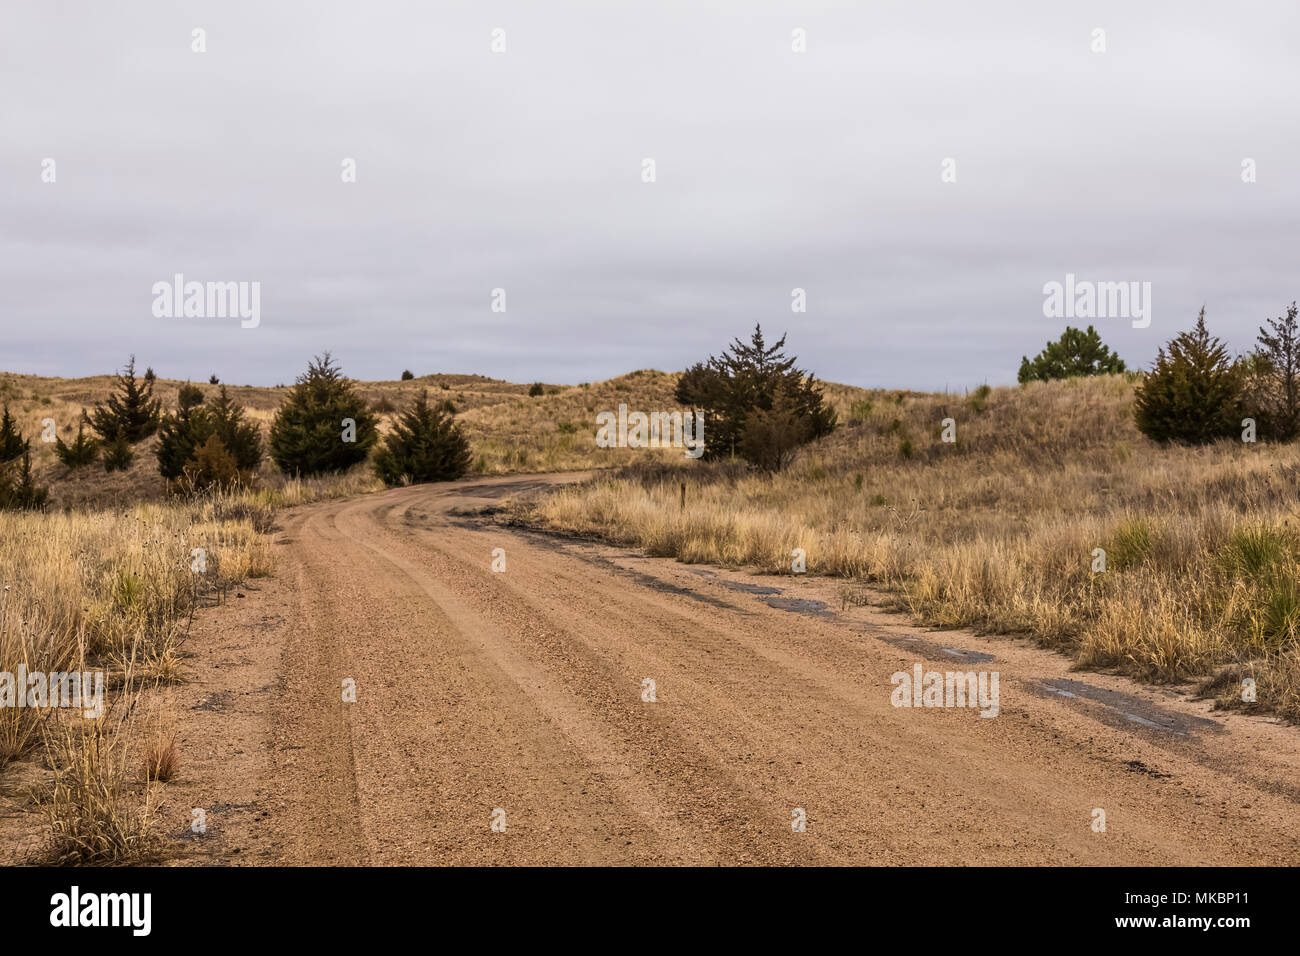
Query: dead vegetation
(999,530)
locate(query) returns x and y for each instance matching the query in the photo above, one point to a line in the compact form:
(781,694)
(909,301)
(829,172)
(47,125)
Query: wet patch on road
(1127,709)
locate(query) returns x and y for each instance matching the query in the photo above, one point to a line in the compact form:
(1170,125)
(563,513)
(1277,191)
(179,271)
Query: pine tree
(748,377)
(308,435)
(18,488)
(212,466)
(118,454)
(425,445)
(131,411)
(241,438)
(12,443)
(1276,377)
(80,452)
(1193,393)
(181,433)
(1074,354)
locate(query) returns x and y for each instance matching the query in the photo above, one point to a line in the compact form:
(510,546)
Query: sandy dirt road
(523,690)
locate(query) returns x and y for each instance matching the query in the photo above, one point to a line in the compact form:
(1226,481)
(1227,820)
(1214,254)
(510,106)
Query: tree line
(323,426)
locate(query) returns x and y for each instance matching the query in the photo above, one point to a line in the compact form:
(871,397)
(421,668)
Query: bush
(213,466)
(308,431)
(118,454)
(424,445)
(771,437)
(1274,378)
(407,375)
(12,443)
(131,411)
(1074,354)
(81,452)
(536,389)
(748,378)
(1194,393)
(18,489)
(182,434)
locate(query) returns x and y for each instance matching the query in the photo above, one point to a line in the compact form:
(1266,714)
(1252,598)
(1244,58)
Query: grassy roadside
(113,591)
(998,530)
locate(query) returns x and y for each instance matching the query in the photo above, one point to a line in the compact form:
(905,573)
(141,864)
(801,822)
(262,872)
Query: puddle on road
(936,652)
(773,597)
(1127,708)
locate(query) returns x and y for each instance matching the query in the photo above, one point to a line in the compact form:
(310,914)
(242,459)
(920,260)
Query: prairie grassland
(997,531)
(113,591)
(509,430)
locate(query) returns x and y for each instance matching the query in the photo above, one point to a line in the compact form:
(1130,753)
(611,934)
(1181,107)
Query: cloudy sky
(523,171)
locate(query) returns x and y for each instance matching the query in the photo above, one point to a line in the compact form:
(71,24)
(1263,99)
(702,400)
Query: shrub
(749,378)
(118,453)
(81,452)
(12,443)
(859,412)
(979,398)
(131,411)
(772,436)
(407,375)
(1194,393)
(18,488)
(1274,374)
(1074,354)
(308,431)
(536,389)
(424,445)
(213,466)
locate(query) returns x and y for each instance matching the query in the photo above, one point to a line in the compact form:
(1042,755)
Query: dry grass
(509,430)
(997,531)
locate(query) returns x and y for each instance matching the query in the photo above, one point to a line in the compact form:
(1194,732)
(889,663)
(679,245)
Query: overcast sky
(522,170)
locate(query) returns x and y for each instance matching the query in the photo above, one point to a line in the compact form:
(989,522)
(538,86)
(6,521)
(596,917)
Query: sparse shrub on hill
(743,382)
(1194,394)
(12,443)
(118,454)
(425,445)
(408,375)
(131,410)
(536,390)
(1074,354)
(81,452)
(18,488)
(308,431)
(1273,378)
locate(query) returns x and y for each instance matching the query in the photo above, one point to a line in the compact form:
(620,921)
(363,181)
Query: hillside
(509,431)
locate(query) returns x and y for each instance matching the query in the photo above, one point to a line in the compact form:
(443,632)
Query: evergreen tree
(1074,354)
(242,439)
(80,452)
(308,435)
(425,445)
(18,488)
(117,453)
(182,432)
(746,378)
(12,443)
(1275,377)
(212,466)
(1194,393)
(131,411)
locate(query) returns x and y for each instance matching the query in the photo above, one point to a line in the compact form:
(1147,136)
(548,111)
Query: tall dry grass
(997,531)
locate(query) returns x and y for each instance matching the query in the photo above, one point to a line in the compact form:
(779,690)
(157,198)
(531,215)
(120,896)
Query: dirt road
(482,692)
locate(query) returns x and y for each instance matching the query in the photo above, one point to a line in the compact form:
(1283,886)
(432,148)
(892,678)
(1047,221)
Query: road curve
(517,697)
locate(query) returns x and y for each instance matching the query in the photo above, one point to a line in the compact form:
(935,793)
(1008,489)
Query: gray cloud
(522,171)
